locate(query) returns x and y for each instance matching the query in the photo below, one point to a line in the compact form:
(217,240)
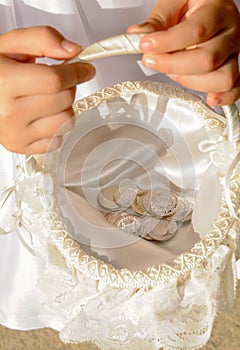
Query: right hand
(36,99)
(196,43)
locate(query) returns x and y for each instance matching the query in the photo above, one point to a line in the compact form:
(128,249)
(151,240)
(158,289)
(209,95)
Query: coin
(114,216)
(137,204)
(164,231)
(148,238)
(130,223)
(183,211)
(148,224)
(125,221)
(190,200)
(106,198)
(160,203)
(125,196)
(172,205)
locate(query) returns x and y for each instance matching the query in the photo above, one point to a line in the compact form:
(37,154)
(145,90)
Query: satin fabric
(84,22)
(124,44)
(130,141)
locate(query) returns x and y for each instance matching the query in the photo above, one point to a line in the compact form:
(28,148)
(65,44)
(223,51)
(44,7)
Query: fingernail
(150,62)
(69,46)
(147,45)
(143,28)
(91,72)
(133,29)
(214,101)
(149,27)
(172,76)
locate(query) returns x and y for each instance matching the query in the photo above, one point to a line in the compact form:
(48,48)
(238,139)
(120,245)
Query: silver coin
(125,196)
(148,238)
(106,198)
(148,225)
(184,211)
(160,203)
(137,204)
(125,221)
(190,200)
(188,217)
(172,205)
(164,231)
(173,227)
(130,223)
(113,217)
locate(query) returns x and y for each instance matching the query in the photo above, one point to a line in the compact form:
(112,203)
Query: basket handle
(233,118)
(123,44)
(127,44)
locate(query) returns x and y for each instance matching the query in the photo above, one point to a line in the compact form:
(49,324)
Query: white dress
(84,22)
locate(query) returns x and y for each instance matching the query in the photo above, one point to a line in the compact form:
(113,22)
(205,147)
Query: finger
(225,98)
(39,41)
(21,57)
(43,146)
(32,79)
(142,28)
(202,59)
(163,15)
(39,106)
(51,126)
(196,29)
(220,80)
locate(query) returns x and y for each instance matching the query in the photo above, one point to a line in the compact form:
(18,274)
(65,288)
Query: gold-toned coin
(160,203)
(106,198)
(125,196)
(165,230)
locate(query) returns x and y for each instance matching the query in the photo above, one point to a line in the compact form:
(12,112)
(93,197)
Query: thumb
(39,41)
(164,15)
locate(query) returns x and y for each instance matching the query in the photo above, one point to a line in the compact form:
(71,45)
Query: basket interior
(141,138)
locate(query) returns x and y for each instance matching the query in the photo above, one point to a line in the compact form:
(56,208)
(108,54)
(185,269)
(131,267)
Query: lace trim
(213,119)
(171,316)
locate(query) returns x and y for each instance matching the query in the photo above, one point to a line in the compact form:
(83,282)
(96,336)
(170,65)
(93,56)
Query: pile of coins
(153,215)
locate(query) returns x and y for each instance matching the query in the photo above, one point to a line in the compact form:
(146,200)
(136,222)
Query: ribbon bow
(28,187)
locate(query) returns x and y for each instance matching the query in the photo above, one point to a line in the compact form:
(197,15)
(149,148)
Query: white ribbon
(211,146)
(230,172)
(17,217)
(124,44)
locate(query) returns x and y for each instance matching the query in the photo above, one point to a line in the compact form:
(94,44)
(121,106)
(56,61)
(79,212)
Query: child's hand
(196,43)
(36,99)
